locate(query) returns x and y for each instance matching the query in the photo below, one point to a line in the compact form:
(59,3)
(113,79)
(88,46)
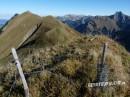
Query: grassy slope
(57,32)
(69,68)
(53,32)
(16,30)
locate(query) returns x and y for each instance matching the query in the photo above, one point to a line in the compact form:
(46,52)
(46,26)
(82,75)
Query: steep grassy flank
(56,32)
(16,30)
(18,33)
(69,68)
(52,32)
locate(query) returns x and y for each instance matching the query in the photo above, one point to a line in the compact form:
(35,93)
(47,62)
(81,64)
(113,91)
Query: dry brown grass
(69,68)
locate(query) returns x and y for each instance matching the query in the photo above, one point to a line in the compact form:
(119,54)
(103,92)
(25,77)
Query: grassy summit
(52,32)
(20,31)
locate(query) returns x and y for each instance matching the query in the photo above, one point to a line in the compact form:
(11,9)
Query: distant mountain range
(116,26)
(2,22)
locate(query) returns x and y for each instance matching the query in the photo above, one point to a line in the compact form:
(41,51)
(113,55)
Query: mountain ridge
(116,26)
(30,28)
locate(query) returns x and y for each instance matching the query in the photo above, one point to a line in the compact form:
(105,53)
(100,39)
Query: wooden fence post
(104,53)
(26,89)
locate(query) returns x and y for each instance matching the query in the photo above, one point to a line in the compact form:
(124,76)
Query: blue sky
(62,7)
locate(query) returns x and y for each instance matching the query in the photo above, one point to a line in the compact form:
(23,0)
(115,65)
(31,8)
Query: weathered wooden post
(104,53)
(26,89)
(103,65)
